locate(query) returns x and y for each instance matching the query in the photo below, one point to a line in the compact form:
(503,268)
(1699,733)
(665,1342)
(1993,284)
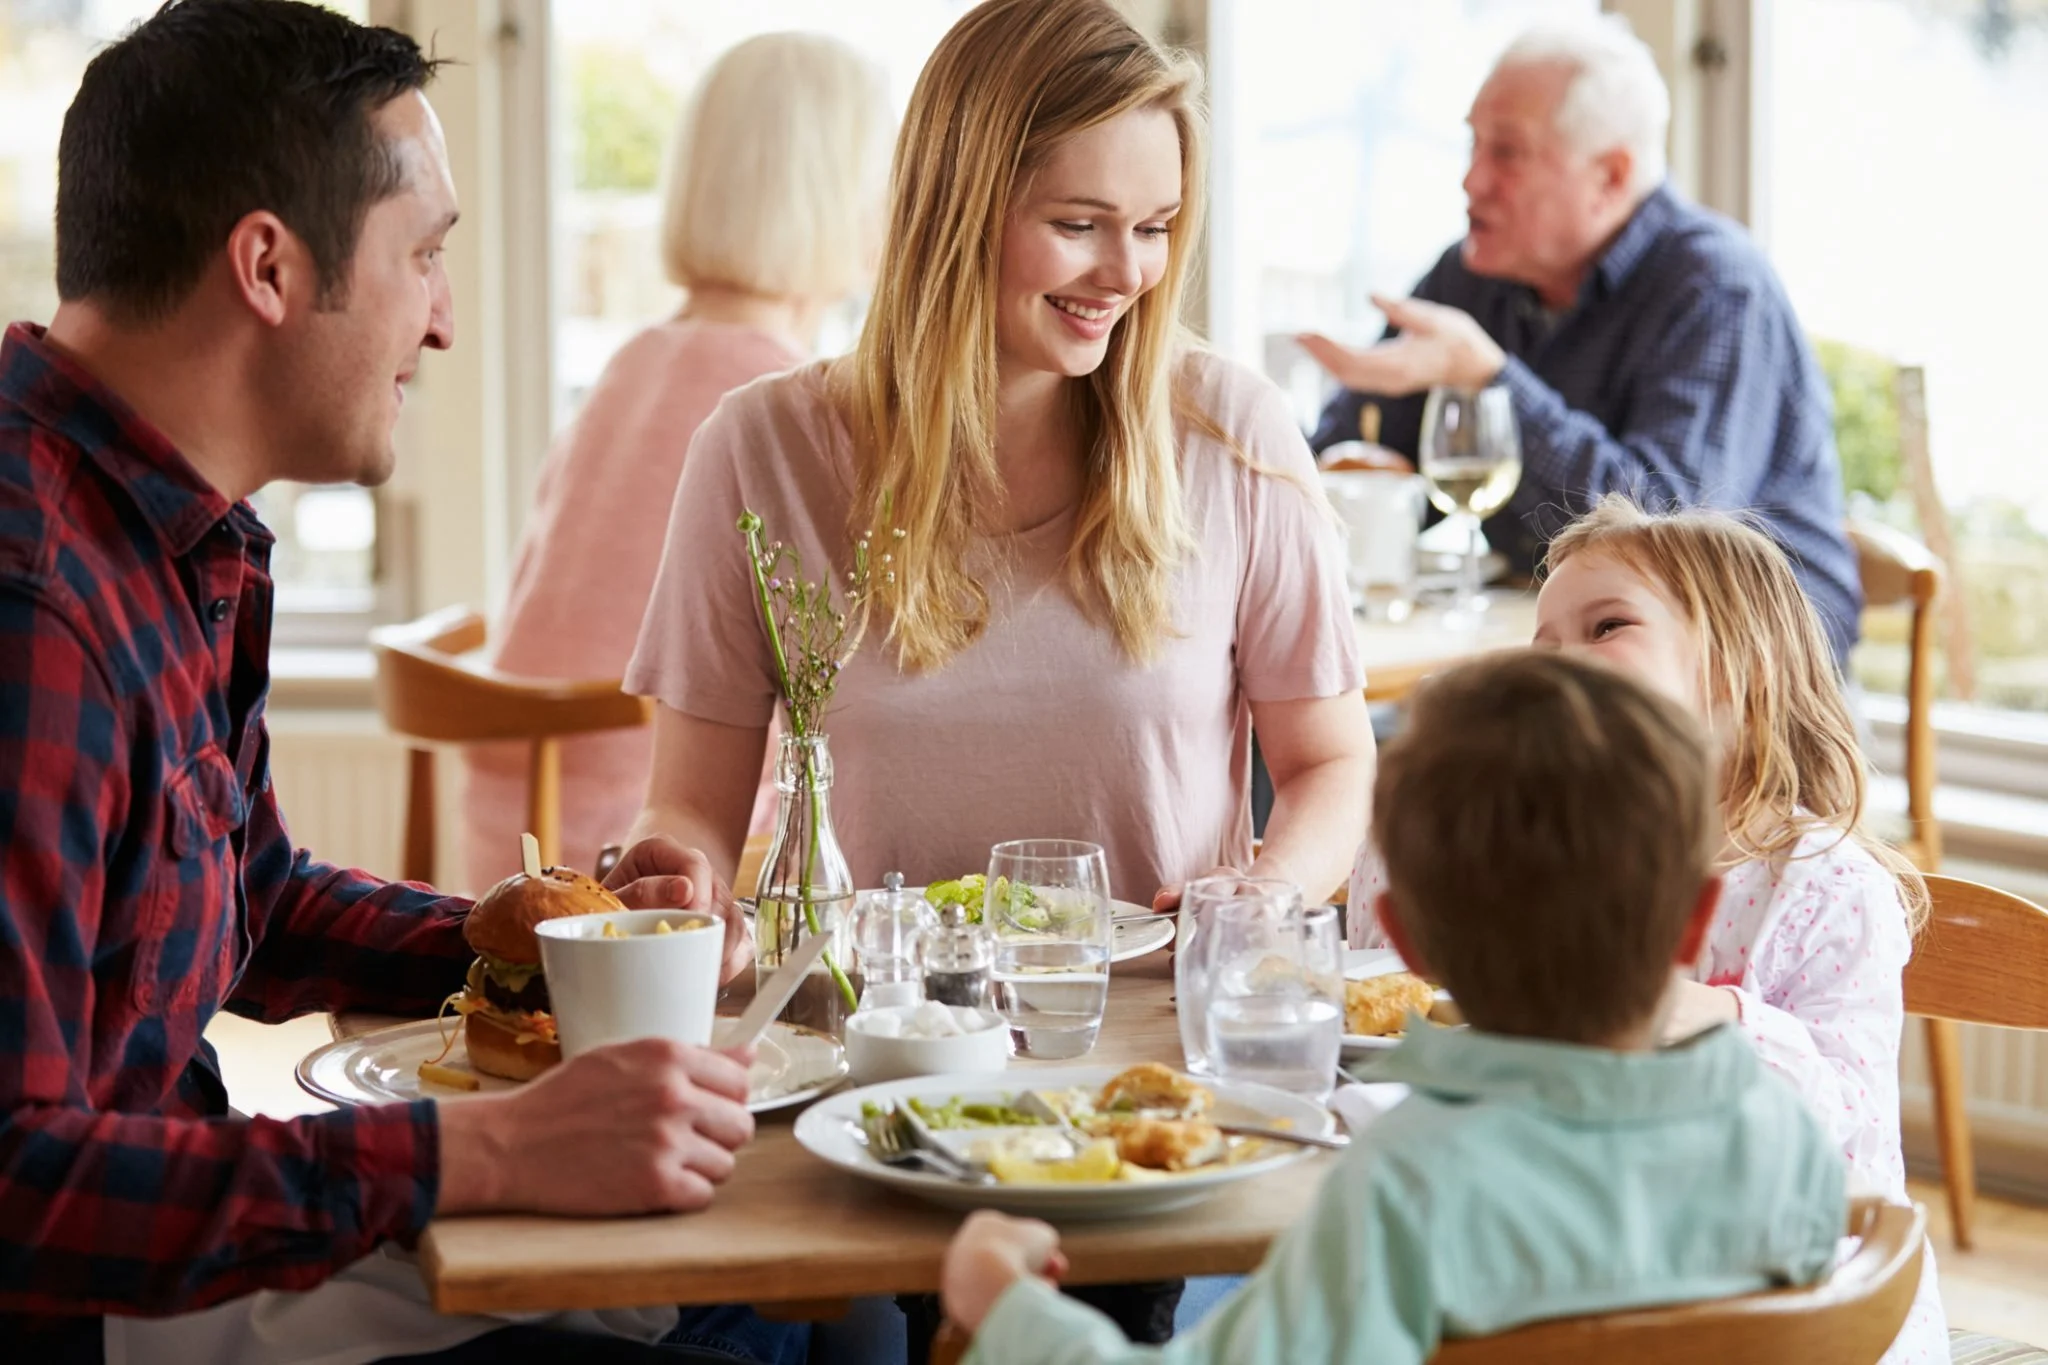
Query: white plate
(1359,965)
(1142,937)
(792,1065)
(825,1129)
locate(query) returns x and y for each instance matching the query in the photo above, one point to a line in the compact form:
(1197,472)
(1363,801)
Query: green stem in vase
(824,647)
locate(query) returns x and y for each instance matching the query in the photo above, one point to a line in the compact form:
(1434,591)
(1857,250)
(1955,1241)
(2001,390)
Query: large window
(332,574)
(1904,143)
(623,70)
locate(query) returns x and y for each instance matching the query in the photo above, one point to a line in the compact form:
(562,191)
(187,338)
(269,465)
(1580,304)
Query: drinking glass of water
(1199,901)
(1048,906)
(1276,993)
(1472,457)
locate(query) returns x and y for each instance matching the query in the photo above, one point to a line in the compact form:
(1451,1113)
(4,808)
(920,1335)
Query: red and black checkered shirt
(146,881)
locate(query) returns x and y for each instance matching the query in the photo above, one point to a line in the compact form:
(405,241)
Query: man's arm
(1701,421)
(1400,415)
(328,938)
(110,1212)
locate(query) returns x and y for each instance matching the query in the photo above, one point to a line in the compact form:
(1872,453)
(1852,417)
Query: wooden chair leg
(418,861)
(1952,1128)
(544,798)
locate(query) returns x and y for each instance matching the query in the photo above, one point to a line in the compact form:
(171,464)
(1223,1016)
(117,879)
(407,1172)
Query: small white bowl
(872,1057)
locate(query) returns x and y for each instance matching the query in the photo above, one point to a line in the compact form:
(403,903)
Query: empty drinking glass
(1198,903)
(1048,906)
(1276,994)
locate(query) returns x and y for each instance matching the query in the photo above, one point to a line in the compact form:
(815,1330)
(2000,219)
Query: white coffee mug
(643,983)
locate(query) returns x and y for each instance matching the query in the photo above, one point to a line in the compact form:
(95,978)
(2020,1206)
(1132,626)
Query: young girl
(1817,917)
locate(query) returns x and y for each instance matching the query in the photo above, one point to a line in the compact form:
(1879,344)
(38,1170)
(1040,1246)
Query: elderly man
(1648,346)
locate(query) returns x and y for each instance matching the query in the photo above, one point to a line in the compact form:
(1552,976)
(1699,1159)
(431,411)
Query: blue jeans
(1203,1293)
(733,1331)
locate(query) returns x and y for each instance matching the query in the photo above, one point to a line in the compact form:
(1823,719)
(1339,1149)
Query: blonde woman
(1108,561)
(772,215)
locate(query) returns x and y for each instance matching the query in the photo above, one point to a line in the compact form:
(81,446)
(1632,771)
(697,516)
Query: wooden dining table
(798,1238)
(1400,654)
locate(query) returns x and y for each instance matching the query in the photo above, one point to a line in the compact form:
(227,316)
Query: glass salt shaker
(958,959)
(887,926)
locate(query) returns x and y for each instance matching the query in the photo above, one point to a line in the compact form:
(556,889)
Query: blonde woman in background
(1113,559)
(771,217)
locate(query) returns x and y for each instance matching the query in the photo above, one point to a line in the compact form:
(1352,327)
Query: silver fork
(889,1139)
(920,1136)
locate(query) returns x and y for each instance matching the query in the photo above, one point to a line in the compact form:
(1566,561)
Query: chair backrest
(1982,957)
(1897,569)
(1850,1318)
(426,692)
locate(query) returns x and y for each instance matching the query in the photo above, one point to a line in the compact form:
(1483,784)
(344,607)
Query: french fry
(448,1076)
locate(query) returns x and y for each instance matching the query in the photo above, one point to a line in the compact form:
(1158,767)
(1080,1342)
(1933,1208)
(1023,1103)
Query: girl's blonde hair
(1791,763)
(775,176)
(1010,82)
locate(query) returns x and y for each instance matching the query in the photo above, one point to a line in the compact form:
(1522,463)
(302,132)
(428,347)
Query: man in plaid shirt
(1646,344)
(252,203)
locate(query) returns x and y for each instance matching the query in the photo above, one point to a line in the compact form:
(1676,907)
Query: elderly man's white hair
(1616,97)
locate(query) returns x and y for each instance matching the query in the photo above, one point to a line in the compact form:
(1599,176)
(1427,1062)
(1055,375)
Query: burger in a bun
(508,1024)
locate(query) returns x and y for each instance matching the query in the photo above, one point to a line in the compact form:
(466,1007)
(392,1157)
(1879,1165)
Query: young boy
(1549,831)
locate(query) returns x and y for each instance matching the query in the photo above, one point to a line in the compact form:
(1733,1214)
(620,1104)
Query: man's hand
(635,1127)
(1436,345)
(991,1252)
(658,873)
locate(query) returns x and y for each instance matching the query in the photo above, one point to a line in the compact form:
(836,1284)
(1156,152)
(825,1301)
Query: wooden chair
(427,694)
(1850,1318)
(1896,569)
(1982,959)
(751,857)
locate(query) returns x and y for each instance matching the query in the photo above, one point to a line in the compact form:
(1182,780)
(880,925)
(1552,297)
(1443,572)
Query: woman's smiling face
(1086,241)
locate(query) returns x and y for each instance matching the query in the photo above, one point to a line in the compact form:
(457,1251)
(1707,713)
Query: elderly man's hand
(660,874)
(1436,345)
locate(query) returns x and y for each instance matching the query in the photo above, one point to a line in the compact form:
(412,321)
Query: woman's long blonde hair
(1009,83)
(1791,763)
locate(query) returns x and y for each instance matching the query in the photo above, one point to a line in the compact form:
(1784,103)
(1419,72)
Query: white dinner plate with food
(1379,993)
(791,1065)
(1048,1186)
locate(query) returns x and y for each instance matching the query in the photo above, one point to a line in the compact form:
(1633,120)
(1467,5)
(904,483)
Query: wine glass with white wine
(1472,458)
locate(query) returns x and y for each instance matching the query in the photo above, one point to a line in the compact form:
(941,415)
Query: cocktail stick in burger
(508,1025)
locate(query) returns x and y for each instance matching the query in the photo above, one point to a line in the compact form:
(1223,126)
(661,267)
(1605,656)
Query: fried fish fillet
(1169,1144)
(1150,1085)
(1378,1005)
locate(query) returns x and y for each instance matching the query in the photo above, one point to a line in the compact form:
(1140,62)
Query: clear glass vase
(805,888)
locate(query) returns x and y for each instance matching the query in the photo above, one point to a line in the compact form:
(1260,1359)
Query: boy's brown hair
(1547,825)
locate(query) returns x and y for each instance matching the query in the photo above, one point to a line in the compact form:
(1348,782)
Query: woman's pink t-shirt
(1043,727)
(584,571)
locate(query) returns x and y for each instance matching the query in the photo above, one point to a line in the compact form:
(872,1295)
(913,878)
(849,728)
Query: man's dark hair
(211,110)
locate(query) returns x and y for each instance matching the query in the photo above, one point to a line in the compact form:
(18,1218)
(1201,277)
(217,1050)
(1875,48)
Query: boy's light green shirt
(1521,1180)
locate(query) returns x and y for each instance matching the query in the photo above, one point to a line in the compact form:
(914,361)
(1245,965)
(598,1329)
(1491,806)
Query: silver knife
(774,993)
